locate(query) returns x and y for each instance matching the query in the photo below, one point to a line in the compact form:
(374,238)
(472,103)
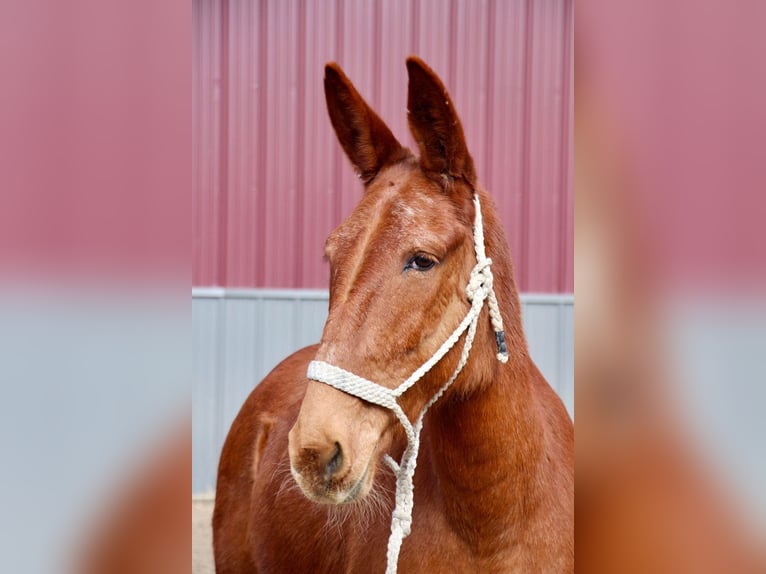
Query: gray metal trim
(243,293)
(547,298)
(322,294)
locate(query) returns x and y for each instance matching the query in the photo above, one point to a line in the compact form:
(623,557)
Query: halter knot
(481,280)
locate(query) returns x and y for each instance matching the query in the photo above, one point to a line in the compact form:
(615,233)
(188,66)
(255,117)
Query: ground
(202,536)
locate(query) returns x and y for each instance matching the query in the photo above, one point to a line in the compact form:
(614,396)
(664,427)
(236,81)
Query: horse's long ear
(435,125)
(367,141)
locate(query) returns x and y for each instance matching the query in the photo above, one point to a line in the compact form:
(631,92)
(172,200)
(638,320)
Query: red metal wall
(269,179)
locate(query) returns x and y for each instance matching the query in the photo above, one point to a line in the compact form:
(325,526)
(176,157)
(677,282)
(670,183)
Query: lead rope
(478,290)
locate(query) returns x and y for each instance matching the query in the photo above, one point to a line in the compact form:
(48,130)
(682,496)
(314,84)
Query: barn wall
(239,335)
(269,179)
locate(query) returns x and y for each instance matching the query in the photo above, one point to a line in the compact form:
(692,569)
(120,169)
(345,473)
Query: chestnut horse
(302,484)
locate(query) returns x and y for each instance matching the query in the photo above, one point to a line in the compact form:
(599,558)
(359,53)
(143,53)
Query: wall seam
(223,147)
(490,87)
(526,149)
(565,140)
(300,125)
(260,270)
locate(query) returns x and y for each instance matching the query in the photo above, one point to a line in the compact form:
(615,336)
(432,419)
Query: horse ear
(365,138)
(435,125)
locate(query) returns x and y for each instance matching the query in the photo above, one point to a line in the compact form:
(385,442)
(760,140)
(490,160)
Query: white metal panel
(241,334)
(206,382)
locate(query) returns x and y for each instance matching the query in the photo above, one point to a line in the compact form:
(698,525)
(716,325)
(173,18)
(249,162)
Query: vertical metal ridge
(223,147)
(526,151)
(452,45)
(199,232)
(377,55)
(490,79)
(338,157)
(414,27)
(564,215)
(197,245)
(302,142)
(253,187)
(260,273)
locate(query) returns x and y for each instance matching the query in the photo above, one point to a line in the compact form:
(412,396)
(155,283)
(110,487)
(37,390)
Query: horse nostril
(335,461)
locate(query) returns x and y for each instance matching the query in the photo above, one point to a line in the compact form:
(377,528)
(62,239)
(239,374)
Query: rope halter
(478,290)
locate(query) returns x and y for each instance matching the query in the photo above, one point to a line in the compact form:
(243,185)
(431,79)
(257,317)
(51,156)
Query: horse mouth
(356,489)
(334,492)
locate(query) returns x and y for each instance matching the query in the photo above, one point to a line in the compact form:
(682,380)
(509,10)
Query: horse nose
(320,456)
(334,464)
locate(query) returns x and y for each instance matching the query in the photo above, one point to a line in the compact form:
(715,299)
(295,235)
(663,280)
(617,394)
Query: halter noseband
(478,290)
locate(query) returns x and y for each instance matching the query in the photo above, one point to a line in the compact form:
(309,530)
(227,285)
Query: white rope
(478,290)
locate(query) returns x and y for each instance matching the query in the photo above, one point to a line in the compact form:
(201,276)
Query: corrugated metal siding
(240,335)
(270,182)
(206,137)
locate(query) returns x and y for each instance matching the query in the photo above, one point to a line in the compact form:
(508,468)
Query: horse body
(489,518)
(300,484)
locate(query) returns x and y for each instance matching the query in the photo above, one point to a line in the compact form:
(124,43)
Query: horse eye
(420,263)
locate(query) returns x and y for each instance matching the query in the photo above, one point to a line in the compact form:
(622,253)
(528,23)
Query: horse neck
(486,444)
(485,451)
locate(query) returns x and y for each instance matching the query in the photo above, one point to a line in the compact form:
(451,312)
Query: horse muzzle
(333,445)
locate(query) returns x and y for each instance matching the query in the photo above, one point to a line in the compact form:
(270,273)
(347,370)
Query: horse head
(399,266)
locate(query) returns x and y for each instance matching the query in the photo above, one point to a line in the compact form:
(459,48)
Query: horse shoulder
(271,406)
(555,522)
